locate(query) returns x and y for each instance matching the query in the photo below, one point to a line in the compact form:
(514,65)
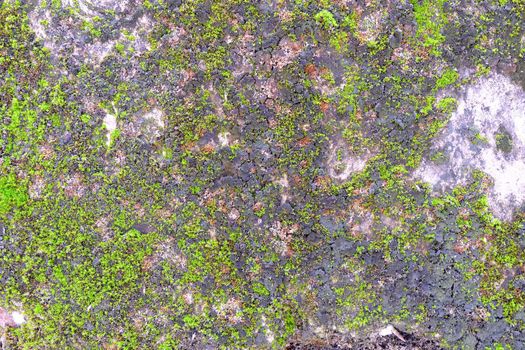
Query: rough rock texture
(237,174)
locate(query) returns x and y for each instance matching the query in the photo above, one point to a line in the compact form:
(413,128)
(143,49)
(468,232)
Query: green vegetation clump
(448,77)
(12,194)
(326,19)
(431,19)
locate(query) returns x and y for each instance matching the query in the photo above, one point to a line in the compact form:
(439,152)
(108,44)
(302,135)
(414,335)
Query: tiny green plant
(326,19)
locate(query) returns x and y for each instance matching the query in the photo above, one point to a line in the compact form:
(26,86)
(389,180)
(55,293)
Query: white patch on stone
(234,214)
(153,124)
(98,51)
(188,298)
(92,8)
(386,331)
(370,26)
(141,43)
(213,232)
(72,44)
(224,139)
(270,336)
(283,182)
(341,164)
(93,53)
(110,123)
(18,318)
(35,21)
(156,116)
(484,108)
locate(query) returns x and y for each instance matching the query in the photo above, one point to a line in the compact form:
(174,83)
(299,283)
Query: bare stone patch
(286,53)
(78,31)
(11,319)
(370,25)
(245,55)
(224,139)
(6,320)
(110,123)
(36,187)
(18,318)
(57,37)
(342,163)
(285,187)
(487,132)
(154,122)
(91,8)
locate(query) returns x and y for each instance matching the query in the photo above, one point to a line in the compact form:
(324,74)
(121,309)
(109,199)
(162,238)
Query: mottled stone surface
(236,174)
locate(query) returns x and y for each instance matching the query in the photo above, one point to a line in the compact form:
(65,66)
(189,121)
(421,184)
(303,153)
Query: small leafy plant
(326,19)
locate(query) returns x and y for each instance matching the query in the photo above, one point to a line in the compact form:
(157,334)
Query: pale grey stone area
(486,132)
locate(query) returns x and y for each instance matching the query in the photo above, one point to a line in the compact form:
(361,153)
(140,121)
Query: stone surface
(244,174)
(487,133)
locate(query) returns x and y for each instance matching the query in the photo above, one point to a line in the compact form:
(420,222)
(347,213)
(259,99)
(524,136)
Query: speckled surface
(262,174)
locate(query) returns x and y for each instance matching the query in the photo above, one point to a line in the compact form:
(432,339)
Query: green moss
(503,140)
(13,193)
(191,321)
(447,105)
(326,19)
(340,41)
(449,77)
(430,20)
(91,27)
(359,303)
(350,21)
(260,289)
(83,270)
